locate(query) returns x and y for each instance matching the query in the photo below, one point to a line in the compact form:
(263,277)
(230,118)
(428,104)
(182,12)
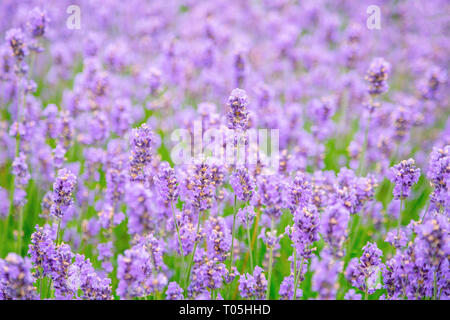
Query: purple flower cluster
(377,76)
(242,184)
(253,285)
(439,176)
(62,193)
(16,280)
(404,175)
(237,116)
(141,152)
(128,164)
(365,273)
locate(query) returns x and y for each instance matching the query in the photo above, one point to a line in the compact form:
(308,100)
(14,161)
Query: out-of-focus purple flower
(105,253)
(153,79)
(59,156)
(439,176)
(16,280)
(333,228)
(270,238)
(432,245)
(246,215)
(20,170)
(141,209)
(352,295)
(4,203)
(269,194)
(174,292)
(17,43)
(430,84)
(237,114)
(377,76)
(37,22)
(326,272)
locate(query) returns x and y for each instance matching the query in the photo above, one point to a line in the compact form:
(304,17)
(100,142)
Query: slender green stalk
(250,246)
(435,285)
(232,242)
(362,158)
(232,234)
(57,233)
(399,222)
(193,254)
(269,278)
(354,234)
(13,177)
(295,274)
(19,240)
(179,237)
(296,277)
(49,287)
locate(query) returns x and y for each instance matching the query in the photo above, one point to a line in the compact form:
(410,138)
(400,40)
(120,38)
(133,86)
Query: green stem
(178,234)
(399,222)
(295,274)
(57,233)
(362,159)
(355,224)
(269,278)
(19,240)
(435,285)
(232,234)
(250,246)
(193,254)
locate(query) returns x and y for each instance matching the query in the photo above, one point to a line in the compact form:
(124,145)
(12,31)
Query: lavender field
(224,149)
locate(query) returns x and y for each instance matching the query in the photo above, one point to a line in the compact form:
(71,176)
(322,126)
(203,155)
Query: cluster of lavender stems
(95,202)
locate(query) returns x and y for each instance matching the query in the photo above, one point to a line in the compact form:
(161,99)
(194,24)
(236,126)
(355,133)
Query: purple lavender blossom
(4,203)
(62,193)
(166,183)
(141,152)
(37,22)
(174,292)
(242,184)
(16,280)
(299,193)
(246,215)
(304,231)
(377,75)
(333,228)
(325,278)
(439,176)
(404,175)
(286,291)
(218,239)
(364,273)
(16,40)
(237,116)
(253,285)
